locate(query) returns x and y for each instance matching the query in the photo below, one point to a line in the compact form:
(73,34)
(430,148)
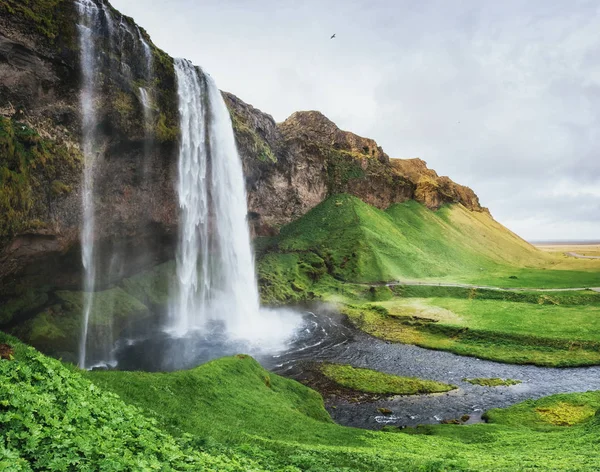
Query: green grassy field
(345,240)
(283,426)
(542,328)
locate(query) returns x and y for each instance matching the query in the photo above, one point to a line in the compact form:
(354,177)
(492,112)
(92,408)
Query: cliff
(290,167)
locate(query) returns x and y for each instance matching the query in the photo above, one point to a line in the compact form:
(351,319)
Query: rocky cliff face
(290,167)
(294,165)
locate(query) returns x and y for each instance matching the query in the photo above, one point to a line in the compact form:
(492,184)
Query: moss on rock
(151,286)
(56,330)
(32,170)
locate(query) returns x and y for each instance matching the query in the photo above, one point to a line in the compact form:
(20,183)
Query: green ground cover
(344,240)
(53,418)
(545,334)
(372,381)
(230,414)
(279,423)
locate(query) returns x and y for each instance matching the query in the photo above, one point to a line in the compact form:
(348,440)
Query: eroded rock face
(290,167)
(40,84)
(311,158)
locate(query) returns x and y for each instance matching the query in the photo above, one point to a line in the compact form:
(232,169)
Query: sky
(502,96)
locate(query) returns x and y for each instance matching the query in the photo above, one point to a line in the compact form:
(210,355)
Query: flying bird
(332,36)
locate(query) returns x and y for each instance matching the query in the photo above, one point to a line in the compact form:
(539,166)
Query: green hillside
(350,241)
(52,418)
(232,415)
(233,403)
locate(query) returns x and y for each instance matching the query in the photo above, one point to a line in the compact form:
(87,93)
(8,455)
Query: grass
(444,333)
(548,320)
(232,415)
(279,424)
(371,381)
(52,418)
(351,242)
(492,382)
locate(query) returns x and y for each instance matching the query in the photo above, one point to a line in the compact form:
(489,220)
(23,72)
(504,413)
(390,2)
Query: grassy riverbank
(232,415)
(279,423)
(519,332)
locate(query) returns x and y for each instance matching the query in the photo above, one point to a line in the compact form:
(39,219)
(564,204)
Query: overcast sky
(502,96)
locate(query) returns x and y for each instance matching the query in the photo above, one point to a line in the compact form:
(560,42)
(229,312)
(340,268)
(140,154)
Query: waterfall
(147,53)
(215,266)
(214,291)
(102,40)
(88,15)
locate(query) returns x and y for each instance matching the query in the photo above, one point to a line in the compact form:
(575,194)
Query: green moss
(123,104)
(151,287)
(492,382)
(60,188)
(56,330)
(251,139)
(566,414)
(549,412)
(342,167)
(165,131)
(26,301)
(46,15)
(32,168)
(371,381)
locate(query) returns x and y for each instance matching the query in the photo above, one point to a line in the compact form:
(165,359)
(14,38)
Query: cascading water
(214,301)
(88,15)
(103,42)
(216,286)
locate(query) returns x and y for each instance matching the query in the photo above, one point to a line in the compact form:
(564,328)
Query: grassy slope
(281,423)
(347,240)
(52,418)
(231,415)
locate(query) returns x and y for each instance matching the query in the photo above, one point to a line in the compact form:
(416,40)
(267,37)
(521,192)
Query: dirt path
(580,256)
(485,287)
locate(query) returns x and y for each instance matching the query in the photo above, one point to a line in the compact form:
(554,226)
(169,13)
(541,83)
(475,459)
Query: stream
(328,336)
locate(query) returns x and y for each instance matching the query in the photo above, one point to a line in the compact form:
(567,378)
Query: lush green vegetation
(233,403)
(372,381)
(252,140)
(52,418)
(342,245)
(46,15)
(492,382)
(344,240)
(230,414)
(55,329)
(520,343)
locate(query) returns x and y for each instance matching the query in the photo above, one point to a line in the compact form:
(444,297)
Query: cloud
(501,96)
